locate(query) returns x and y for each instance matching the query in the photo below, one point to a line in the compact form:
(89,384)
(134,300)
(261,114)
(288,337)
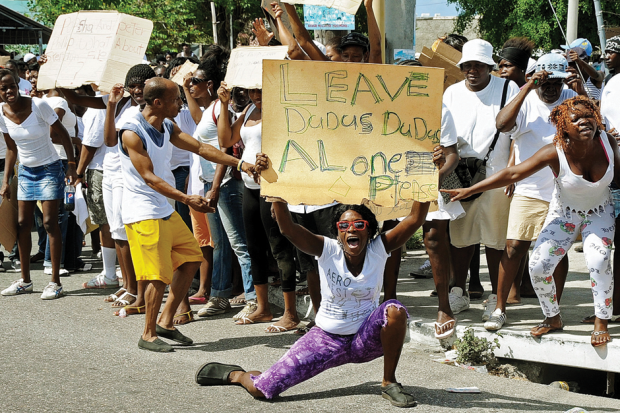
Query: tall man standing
(163,248)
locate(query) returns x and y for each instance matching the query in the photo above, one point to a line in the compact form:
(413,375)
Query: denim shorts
(41,183)
(615,195)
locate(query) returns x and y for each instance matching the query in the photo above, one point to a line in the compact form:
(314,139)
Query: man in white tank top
(163,248)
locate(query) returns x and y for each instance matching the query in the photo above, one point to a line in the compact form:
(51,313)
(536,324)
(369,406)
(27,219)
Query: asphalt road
(73,355)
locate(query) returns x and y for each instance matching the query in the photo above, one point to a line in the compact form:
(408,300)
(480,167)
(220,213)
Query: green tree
(501,20)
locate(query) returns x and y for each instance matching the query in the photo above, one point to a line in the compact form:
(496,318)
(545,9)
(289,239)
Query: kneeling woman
(584,160)
(351,326)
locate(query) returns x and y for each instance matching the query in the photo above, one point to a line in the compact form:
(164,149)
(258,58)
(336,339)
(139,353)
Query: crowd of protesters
(171,178)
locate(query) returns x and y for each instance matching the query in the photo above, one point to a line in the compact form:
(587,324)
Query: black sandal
(215,374)
(394,392)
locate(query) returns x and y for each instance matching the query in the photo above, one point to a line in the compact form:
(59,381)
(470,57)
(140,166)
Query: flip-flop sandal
(197,300)
(113,297)
(279,329)
(549,328)
(189,315)
(127,310)
(599,333)
(302,292)
(447,333)
(245,320)
(123,301)
(238,300)
(215,374)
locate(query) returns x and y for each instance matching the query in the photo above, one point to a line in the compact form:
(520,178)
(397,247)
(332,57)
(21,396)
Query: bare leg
(153,295)
(474,272)
(105,236)
(512,258)
(493,259)
(50,222)
(290,319)
(514,295)
(25,217)
(243,379)
(438,249)
(559,276)
(461,257)
(181,280)
(392,339)
(263,312)
(206,272)
(314,288)
(527,290)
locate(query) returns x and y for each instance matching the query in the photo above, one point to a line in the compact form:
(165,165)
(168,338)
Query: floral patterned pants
(319,350)
(557,236)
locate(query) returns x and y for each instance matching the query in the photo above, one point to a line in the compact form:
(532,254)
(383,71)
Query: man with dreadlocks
(584,160)
(128,298)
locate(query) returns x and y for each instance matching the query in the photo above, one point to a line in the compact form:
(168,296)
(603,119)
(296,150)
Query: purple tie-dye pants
(319,350)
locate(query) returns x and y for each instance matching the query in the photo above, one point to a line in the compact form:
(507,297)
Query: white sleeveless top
(252,138)
(575,194)
(141,202)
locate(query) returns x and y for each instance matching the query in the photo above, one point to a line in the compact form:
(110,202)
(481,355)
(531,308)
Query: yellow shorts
(526,219)
(158,247)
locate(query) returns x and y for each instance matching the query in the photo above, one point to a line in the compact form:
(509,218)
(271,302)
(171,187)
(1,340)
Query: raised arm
(263,36)
(294,51)
(507,117)
(299,236)
(227,135)
(546,156)
(192,104)
(374,34)
(132,144)
(596,76)
(400,234)
(184,141)
(302,35)
(110,134)
(94,102)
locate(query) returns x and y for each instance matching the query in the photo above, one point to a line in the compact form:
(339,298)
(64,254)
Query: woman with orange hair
(584,160)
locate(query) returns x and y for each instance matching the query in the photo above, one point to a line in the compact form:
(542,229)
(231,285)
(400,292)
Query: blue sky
(435,6)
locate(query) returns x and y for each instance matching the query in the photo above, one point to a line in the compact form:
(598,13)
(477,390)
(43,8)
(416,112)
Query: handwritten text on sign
(93,47)
(351,132)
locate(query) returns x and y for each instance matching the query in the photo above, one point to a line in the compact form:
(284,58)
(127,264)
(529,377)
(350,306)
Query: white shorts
(112,200)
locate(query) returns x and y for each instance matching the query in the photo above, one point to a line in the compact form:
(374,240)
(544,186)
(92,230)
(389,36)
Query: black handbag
(472,170)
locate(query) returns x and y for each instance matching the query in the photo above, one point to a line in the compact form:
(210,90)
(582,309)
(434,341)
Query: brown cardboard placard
(185,68)
(452,74)
(245,67)
(352,133)
(4,60)
(93,47)
(8,218)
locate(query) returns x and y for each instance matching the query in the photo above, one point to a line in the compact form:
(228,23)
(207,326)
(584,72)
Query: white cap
(477,50)
(531,66)
(28,57)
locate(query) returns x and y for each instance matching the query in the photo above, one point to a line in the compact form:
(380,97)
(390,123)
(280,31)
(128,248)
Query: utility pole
(400,33)
(601,25)
(214,17)
(572,19)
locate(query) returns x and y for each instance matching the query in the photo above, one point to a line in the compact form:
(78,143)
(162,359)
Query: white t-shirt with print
(474,116)
(68,121)
(346,300)
(610,107)
(112,161)
(532,131)
(25,87)
(93,121)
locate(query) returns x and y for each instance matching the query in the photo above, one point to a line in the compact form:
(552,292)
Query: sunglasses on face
(358,225)
(196,80)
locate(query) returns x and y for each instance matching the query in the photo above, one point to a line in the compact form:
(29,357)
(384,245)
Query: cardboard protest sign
(352,133)
(271,17)
(347,6)
(185,68)
(245,67)
(8,218)
(445,57)
(93,47)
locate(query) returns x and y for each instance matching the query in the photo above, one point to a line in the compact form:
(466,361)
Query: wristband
(71,162)
(239,165)
(80,176)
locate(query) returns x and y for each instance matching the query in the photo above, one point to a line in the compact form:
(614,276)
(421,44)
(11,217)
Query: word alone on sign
(352,133)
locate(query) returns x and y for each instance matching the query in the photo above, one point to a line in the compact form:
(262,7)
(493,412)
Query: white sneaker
(216,305)
(458,301)
(496,321)
(52,291)
(249,308)
(489,306)
(100,282)
(424,270)
(62,273)
(18,287)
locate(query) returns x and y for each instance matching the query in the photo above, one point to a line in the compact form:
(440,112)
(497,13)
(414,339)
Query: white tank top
(573,193)
(251,137)
(141,202)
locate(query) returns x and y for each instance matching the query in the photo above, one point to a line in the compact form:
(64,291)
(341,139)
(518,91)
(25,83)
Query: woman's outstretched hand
(456,194)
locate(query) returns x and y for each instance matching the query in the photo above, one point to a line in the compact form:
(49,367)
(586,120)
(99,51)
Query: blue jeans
(221,282)
(230,208)
(180,176)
